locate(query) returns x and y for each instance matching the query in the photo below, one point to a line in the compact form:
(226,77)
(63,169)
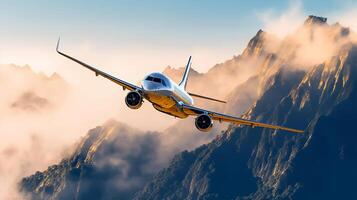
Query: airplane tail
(183,82)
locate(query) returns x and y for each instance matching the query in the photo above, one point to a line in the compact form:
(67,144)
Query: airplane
(170,98)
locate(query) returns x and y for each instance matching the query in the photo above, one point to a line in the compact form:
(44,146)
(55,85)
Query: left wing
(190,110)
(97,72)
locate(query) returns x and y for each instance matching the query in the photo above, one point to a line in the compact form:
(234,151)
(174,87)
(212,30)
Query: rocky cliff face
(246,163)
(112,162)
(286,85)
(233,71)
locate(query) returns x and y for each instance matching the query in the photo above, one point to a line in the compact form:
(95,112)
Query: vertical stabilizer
(183,82)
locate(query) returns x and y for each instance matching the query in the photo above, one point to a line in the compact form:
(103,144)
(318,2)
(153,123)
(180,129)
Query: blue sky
(222,28)
(151,22)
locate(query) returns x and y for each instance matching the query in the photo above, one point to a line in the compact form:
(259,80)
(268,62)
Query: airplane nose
(148,86)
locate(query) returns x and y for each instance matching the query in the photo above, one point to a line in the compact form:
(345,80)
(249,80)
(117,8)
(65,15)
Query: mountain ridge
(266,155)
(246,163)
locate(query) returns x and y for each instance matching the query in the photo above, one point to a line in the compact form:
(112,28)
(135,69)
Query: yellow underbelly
(174,111)
(161,100)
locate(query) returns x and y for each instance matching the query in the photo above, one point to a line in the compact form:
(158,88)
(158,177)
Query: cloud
(27,105)
(281,24)
(300,45)
(318,44)
(129,158)
(113,160)
(18,161)
(346,18)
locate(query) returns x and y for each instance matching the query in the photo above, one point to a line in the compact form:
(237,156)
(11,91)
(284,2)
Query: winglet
(59,39)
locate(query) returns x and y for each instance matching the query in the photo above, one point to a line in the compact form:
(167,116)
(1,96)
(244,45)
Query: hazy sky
(146,35)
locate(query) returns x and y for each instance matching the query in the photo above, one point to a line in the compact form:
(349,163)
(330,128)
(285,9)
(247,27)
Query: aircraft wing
(190,110)
(97,72)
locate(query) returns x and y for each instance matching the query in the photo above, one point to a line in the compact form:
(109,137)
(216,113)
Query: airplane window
(163,82)
(157,80)
(149,78)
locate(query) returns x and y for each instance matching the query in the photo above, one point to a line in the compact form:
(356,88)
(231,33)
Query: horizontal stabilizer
(209,98)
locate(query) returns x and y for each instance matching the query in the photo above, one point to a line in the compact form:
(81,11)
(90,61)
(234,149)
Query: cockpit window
(149,78)
(157,80)
(163,82)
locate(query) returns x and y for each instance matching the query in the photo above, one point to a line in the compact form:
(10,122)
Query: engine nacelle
(134,100)
(204,123)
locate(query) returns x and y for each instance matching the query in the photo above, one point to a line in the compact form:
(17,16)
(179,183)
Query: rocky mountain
(305,80)
(111,162)
(246,163)
(233,71)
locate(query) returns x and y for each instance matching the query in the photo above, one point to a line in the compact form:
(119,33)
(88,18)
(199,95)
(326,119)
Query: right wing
(97,72)
(190,110)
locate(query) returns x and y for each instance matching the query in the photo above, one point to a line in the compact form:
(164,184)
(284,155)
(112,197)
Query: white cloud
(347,18)
(281,24)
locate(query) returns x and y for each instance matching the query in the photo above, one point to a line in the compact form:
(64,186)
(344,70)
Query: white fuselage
(165,95)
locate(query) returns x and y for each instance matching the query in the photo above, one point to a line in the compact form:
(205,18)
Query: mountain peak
(312,19)
(260,32)
(259,35)
(256,44)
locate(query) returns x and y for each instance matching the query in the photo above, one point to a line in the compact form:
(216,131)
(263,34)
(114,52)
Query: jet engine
(204,123)
(134,100)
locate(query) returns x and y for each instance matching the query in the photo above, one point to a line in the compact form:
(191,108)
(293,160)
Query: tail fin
(183,82)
